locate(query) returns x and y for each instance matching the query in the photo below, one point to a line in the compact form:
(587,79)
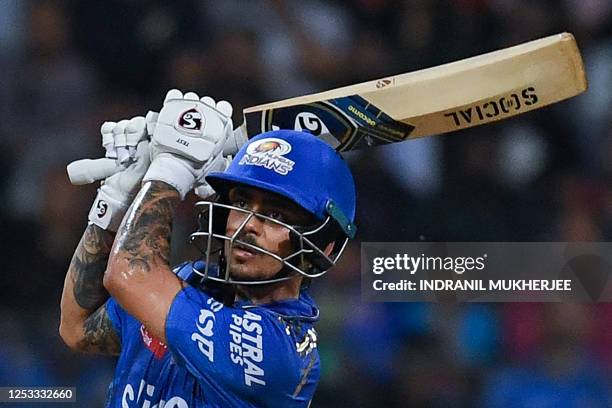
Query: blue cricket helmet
(298,166)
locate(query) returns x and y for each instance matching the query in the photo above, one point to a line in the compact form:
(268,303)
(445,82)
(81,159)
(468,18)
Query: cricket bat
(441,99)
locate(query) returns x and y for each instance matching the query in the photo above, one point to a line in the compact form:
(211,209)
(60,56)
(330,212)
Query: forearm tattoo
(88,265)
(100,335)
(144,241)
(87,273)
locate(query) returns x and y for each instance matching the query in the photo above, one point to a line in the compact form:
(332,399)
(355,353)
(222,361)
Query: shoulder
(288,327)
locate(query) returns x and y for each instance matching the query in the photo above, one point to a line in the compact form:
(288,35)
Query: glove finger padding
(225,107)
(135,132)
(128,181)
(189,135)
(219,163)
(108,139)
(190,128)
(118,190)
(123,156)
(151,122)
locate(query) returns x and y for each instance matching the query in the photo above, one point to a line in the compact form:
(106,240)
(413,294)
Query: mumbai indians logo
(269,153)
(191,120)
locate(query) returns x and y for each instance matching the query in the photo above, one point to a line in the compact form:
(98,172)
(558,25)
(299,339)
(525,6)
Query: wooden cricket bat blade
(441,99)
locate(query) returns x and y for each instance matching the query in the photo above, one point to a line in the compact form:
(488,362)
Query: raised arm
(85,324)
(186,144)
(139,275)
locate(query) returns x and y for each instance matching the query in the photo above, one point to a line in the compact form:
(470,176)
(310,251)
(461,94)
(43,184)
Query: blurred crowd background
(66,66)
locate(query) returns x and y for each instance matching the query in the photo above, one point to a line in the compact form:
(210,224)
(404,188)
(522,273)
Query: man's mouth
(242,251)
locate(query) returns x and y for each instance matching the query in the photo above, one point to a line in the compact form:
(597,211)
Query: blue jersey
(218,356)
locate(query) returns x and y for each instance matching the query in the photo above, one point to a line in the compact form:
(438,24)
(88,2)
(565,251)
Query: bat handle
(86,171)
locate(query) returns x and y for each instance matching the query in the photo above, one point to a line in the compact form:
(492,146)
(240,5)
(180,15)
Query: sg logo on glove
(191,121)
(102,208)
(192,128)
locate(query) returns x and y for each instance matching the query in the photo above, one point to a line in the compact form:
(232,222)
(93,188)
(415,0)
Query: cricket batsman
(235,327)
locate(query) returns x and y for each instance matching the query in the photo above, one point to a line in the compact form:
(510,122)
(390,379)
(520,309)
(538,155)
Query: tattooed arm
(139,276)
(84,324)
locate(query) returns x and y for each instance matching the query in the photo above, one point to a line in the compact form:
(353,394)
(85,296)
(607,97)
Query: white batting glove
(188,140)
(126,142)
(121,138)
(219,163)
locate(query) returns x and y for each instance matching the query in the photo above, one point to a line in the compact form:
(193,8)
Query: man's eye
(276,215)
(240,204)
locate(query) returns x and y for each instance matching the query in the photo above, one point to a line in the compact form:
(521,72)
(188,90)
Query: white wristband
(173,171)
(107,212)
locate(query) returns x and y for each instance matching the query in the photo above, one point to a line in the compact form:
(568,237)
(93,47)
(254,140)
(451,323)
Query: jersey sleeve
(244,352)
(117,315)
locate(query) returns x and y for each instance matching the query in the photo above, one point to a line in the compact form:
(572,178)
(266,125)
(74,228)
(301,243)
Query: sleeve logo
(203,337)
(205,323)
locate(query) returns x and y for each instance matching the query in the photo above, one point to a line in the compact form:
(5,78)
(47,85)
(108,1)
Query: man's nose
(253,225)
